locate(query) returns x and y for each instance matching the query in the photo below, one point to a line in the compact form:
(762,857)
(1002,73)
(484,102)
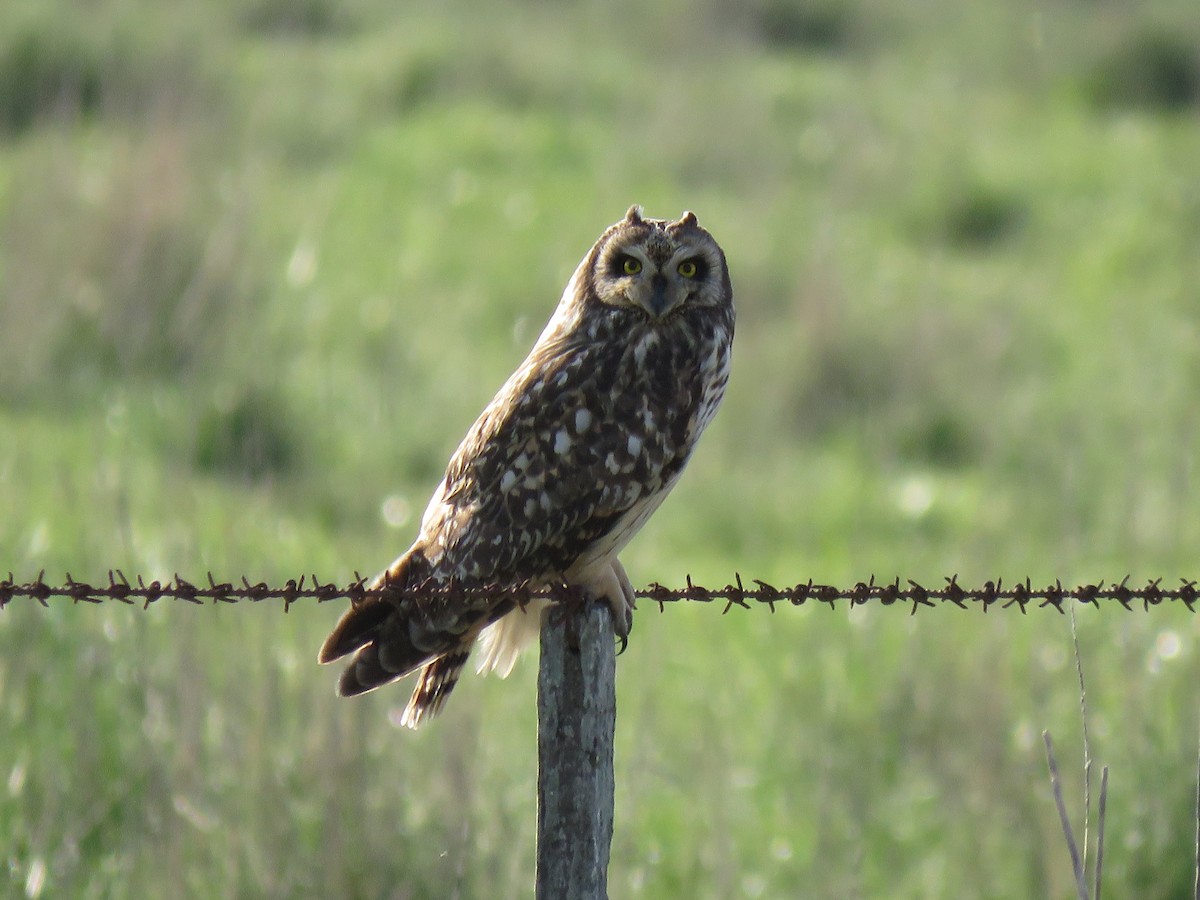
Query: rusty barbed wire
(915,596)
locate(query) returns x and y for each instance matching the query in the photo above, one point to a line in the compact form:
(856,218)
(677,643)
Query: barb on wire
(915,596)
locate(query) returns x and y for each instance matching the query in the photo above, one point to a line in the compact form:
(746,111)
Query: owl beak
(660,302)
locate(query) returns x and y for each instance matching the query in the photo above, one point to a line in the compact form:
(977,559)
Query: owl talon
(622,625)
(623,604)
(622,618)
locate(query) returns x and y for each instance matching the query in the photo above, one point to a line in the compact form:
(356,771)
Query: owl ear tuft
(634,216)
(688,219)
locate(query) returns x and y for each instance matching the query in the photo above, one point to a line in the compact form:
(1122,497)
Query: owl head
(657,268)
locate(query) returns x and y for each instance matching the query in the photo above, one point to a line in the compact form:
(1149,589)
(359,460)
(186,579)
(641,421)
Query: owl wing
(569,458)
(560,457)
(562,468)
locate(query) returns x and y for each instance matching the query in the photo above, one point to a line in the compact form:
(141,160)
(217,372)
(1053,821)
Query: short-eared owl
(562,468)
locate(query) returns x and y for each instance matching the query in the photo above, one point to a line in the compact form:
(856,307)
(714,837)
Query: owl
(561,469)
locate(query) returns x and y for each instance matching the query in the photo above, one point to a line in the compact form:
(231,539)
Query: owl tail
(387,646)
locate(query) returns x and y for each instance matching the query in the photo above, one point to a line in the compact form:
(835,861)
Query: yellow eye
(631,266)
(687,269)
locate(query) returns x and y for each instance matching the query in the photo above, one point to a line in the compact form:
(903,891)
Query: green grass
(260,268)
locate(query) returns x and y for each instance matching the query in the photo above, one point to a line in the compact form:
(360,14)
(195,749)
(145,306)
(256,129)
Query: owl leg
(608,583)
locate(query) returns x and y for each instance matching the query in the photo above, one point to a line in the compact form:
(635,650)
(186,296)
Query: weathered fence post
(577,715)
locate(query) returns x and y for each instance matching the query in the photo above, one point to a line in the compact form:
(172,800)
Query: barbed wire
(915,596)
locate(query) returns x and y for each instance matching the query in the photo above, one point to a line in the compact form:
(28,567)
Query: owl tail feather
(357,627)
(437,681)
(388,646)
(367,619)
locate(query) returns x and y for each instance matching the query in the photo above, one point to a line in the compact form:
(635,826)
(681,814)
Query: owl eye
(631,266)
(688,268)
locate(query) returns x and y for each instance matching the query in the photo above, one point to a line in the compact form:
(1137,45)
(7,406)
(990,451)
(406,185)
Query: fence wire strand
(910,594)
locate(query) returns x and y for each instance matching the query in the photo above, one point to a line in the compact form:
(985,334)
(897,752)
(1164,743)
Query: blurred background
(262,263)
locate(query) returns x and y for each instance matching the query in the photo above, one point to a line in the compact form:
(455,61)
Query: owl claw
(622,624)
(611,586)
(622,617)
(622,606)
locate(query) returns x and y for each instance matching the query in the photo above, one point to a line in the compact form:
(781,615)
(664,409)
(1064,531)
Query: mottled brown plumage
(562,468)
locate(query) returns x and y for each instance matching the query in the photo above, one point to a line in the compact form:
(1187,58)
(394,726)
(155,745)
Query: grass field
(261,266)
